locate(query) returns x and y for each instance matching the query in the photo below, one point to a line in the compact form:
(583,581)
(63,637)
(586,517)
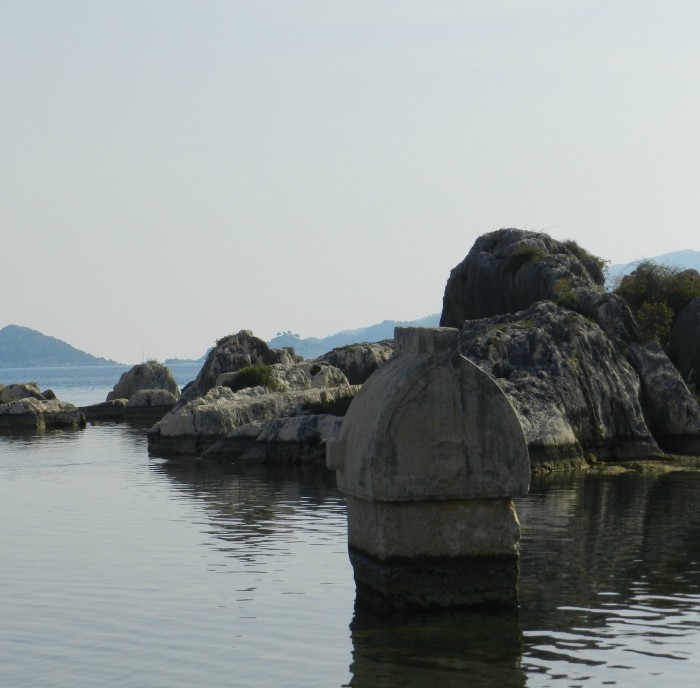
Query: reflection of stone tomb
(429,456)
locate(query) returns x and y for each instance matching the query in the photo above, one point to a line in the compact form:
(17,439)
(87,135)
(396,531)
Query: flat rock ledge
(190,429)
(292,441)
(146,405)
(39,414)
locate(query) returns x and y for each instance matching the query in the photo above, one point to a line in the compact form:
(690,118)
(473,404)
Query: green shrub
(583,255)
(656,294)
(253,376)
(525,253)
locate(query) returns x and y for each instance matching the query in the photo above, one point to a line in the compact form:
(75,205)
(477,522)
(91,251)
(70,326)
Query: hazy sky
(171,172)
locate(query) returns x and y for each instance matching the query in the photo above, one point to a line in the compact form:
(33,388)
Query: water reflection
(610,575)
(436,650)
(251,504)
(609,584)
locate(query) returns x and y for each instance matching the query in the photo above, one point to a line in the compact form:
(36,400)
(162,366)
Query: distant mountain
(311,347)
(21,347)
(180,361)
(680,259)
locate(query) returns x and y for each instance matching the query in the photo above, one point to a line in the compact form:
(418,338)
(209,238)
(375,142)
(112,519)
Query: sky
(172,172)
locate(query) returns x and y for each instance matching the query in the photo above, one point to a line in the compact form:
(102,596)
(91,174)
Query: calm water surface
(121,570)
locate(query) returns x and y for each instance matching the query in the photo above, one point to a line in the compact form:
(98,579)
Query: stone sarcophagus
(429,457)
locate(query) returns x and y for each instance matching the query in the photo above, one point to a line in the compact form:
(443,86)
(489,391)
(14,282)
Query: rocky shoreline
(532,312)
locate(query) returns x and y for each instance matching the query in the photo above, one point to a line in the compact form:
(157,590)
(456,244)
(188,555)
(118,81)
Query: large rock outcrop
(684,344)
(359,361)
(233,353)
(243,400)
(24,407)
(191,428)
(576,396)
(509,271)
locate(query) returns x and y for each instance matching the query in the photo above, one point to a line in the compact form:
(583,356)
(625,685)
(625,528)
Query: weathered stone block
(429,455)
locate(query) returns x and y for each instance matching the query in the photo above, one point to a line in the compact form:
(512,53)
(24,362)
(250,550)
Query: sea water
(118,569)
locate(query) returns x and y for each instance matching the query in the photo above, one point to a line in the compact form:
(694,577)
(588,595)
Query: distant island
(311,347)
(22,347)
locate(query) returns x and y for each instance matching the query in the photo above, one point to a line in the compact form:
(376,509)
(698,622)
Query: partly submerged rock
(359,361)
(291,440)
(144,393)
(144,376)
(30,413)
(192,427)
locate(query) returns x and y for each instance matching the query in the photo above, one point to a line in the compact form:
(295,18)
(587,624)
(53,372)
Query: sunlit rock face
(574,392)
(233,353)
(359,361)
(569,408)
(24,407)
(144,376)
(191,428)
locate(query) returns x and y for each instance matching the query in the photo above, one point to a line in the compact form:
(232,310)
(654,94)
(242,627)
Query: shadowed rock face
(684,344)
(510,270)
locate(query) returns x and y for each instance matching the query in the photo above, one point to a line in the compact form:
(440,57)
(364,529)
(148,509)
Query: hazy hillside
(310,347)
(680,259)
(21,347)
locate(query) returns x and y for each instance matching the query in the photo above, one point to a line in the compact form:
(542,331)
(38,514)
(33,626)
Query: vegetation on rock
(253,376)
(656,294)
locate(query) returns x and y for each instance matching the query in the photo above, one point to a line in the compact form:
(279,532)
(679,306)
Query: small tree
(656,294)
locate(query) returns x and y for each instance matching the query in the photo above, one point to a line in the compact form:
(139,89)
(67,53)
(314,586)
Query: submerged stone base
(436,554)
(404,584)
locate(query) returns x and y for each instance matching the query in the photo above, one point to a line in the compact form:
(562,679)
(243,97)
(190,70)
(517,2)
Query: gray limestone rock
(144,376)
(290,377)
(574,393)
(671,410)
(359,361)
(30,413)
(509,270)
(192,427)
(291,440)
(17,391)
(231,354)
(684,344)
(148,398)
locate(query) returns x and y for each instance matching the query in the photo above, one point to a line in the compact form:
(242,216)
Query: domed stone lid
(429,424)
